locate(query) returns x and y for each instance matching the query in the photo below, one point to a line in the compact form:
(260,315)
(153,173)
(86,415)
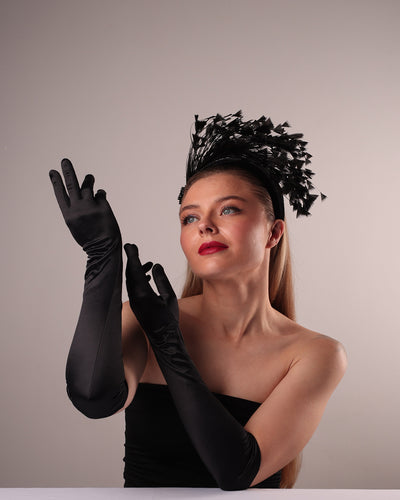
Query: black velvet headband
(278,159)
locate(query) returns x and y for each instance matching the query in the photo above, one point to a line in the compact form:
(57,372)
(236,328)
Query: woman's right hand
(88,216)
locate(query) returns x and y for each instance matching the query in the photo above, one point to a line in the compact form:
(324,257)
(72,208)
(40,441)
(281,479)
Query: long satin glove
(94,373)
(230,453)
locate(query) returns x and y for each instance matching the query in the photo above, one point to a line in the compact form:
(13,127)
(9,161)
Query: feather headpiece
(279,159)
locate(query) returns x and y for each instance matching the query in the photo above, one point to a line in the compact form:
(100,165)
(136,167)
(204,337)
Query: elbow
(100,406)
(235,482)
(240,479)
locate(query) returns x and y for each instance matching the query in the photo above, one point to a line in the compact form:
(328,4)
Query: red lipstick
(211,247)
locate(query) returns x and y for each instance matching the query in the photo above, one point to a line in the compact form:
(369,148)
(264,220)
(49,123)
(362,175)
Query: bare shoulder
(308,343)
(322,345)
(322,355)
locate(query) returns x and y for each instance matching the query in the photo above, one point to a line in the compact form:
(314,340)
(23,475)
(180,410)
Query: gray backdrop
(114,86)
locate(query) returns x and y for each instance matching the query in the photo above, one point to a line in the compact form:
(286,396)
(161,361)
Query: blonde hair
(280,280)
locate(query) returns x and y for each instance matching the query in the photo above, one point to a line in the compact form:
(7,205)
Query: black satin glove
(230,453)
(94,372)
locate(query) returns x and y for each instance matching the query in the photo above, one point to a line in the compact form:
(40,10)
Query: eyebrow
(220,200)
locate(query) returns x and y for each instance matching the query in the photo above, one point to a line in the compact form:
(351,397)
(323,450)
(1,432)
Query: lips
(211,247)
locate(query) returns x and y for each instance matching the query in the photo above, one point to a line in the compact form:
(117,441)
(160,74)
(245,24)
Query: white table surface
(189,493)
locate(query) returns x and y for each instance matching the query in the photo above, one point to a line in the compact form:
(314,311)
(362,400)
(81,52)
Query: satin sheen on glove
(94,373)
(230,453)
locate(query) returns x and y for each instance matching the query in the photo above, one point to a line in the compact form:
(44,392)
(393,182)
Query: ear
(276,231)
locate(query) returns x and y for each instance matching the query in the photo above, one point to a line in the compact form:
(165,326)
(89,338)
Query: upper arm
(134,351)
(285,422)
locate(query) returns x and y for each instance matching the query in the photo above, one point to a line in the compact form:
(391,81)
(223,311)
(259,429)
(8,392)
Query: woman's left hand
(155,313)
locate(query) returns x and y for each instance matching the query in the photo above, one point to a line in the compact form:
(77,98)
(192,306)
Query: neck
(239,306)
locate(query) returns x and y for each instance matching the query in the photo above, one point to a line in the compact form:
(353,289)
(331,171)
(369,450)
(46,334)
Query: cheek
(183,243)
(254,239)
(189,246)
(253,232)
(185,240)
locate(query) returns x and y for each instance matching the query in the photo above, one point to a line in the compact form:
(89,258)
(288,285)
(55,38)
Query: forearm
(94,372)
(230,452)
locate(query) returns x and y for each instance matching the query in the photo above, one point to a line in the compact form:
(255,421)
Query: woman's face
(224,227)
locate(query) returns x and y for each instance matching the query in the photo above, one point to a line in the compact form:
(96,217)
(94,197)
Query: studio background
(114,86)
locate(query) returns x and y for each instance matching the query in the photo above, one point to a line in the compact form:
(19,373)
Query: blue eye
(188,219)
(229,210)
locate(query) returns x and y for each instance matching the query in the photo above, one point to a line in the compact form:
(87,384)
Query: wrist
(103,245)
(104,260)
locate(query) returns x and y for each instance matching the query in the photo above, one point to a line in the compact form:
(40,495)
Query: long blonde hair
(280,279)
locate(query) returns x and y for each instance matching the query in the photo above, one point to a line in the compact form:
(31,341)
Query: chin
(208,272)
(217,273)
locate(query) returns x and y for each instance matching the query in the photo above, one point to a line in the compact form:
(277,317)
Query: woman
(222,388)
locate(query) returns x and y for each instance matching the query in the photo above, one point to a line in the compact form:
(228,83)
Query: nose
(206,226)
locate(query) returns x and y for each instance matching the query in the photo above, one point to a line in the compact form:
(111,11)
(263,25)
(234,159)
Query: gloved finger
(59,191)
(87,187)
(131,251)
(136,278)
(100,195)
(162,282)
(146,267)
(166,291)
(71,181)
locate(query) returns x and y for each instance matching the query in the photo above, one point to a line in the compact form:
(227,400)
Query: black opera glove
(229,452)
(94,373)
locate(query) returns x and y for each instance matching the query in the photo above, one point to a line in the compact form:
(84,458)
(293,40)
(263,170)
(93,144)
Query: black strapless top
(158,451)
